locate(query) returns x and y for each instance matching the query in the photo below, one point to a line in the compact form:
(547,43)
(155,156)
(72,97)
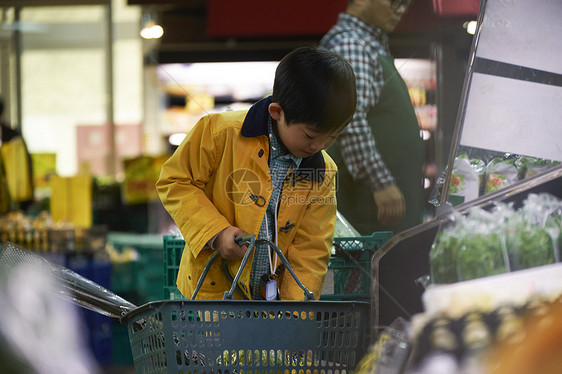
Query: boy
(263,172)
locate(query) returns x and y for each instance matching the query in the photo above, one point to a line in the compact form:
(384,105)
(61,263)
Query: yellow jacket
(219,177)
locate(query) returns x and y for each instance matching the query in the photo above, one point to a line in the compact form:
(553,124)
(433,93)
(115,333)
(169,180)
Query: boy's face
(300,139)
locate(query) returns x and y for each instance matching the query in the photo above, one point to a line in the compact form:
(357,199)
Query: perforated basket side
(254,336)
(349,274)
(363,243)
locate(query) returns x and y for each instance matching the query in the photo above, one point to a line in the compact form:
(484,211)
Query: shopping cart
(234,336)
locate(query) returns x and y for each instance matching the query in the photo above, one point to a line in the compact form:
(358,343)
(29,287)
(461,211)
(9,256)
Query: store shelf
(488,293)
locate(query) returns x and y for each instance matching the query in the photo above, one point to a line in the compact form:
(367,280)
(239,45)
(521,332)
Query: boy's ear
(275,111)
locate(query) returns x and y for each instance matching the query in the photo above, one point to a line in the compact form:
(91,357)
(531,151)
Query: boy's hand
(227,247)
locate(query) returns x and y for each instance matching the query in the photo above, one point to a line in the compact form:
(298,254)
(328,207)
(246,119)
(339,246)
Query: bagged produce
(544,213)
(468,248)
(443,256)
(528,245)
(481,256)
(483,243)
(466,179)
(529,166)
(480,253)
(500,173)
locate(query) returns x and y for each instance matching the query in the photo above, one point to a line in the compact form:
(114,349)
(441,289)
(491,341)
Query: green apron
(395,128)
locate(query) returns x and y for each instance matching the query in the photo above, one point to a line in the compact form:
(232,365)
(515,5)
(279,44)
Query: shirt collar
(276,149)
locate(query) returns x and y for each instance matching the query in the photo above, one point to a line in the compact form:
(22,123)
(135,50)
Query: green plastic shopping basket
(223,336)
(248,337)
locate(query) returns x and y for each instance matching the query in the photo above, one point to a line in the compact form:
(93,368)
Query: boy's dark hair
(315,86)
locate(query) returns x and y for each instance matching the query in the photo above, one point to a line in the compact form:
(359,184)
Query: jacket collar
(255,124)
(312,167)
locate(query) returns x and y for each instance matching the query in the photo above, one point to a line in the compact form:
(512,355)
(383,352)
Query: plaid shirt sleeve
(358,145)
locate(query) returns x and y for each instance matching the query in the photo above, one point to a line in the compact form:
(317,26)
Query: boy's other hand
(227,247)
(390,205)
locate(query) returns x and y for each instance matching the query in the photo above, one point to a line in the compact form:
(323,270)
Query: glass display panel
(508,127)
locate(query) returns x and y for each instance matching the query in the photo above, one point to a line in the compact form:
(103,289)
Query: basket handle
(252,241)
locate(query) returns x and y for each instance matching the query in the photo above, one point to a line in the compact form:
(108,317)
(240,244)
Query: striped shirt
(361,45)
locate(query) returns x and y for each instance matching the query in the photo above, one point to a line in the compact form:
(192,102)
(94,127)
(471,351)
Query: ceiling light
(152,31)
(470,27)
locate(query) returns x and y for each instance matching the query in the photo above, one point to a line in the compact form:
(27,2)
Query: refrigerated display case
(510,112)
(400,269)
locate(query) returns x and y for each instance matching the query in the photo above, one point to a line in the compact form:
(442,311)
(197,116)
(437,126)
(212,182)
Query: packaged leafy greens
(483,243)
(528,245)
(543,212)
(500,173)
(530,166)
(481,253)
(443,257)
(468,248)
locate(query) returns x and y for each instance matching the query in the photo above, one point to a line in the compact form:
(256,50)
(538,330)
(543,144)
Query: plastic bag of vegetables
(528,245)
(480,253)
(470,247)
(529,166)
(543,212)
(466,179)
(500,173)
(443,256)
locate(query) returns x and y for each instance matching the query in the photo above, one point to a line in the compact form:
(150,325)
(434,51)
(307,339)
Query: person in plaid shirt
(380,154)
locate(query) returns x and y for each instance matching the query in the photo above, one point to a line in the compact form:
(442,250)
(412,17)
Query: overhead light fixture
(470,27)
(151,30)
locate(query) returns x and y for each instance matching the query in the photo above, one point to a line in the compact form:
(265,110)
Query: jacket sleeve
(309,253)
(182,185)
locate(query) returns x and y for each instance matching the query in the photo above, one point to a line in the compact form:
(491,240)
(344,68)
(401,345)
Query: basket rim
(250,303)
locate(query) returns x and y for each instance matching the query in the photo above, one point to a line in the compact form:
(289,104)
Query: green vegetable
(529,166)
(528,247)
(481,255)
(483,243)
(443,259)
